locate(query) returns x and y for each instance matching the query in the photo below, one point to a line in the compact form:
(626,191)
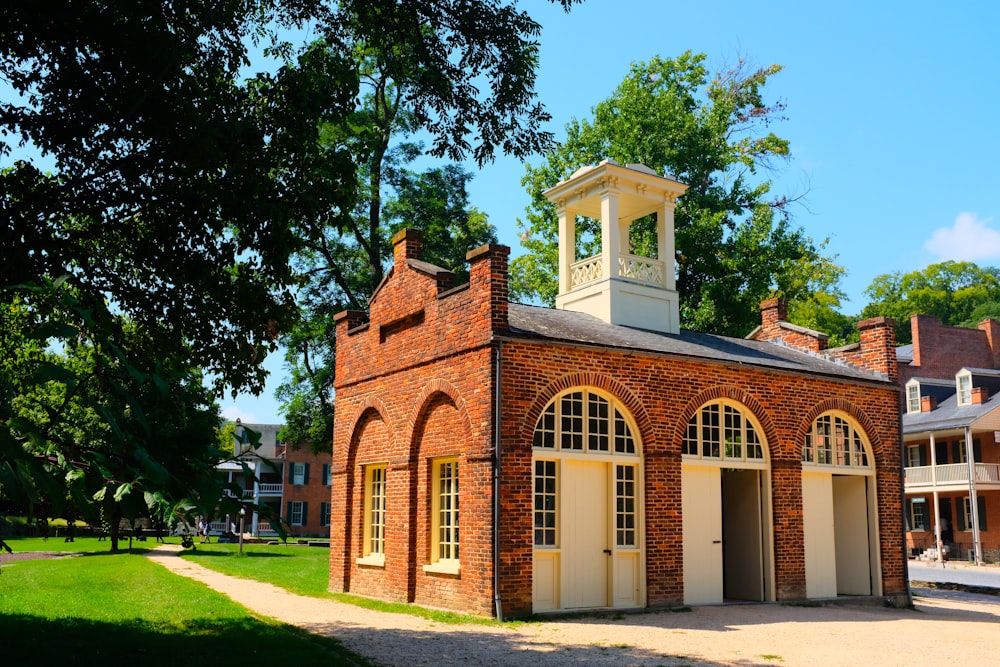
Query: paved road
(956,573)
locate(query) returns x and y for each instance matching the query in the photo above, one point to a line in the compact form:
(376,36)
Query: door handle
(716,541)
(607,551)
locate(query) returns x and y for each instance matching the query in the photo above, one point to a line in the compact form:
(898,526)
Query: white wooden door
(586,544)
(818,534)
(850,527)
(701,504)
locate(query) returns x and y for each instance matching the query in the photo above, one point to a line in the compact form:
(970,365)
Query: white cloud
(969,239)
(233,412)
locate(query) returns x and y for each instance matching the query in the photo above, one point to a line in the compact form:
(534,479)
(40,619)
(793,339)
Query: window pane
(625,505)
(545,503)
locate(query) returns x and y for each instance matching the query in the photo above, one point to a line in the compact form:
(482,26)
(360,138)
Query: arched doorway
(588,506)
(726,505)
(839,509)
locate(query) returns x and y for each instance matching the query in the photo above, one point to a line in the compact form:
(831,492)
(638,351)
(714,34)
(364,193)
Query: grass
(112,609)
(305,570)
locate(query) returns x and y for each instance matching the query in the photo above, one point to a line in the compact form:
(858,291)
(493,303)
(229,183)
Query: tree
(180,190)
(735,247)
(958,293)
(435,201)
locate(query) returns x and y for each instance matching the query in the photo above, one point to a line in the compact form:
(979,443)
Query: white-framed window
(298,473)
(586,422)
(722,430)
(836,440)
(296,512)
(546,503)
(916,514)
(914,456)
(374,519)
(583,421)
(965,513)
(324,514)
(964,381)
(912,396)
(626,509)
(327,474)
(444,542)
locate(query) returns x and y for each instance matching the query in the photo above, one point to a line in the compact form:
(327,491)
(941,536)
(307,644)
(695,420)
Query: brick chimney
(980,395)
(992,330)
(927,403)
(407,244)
(772,313)
(488,275)
(878,346)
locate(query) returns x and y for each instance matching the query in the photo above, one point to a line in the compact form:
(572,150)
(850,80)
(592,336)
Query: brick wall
(940,351)
(314,493)
(416,380)
(663,395)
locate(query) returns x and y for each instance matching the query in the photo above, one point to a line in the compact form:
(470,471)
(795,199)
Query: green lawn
(122,609)
(304,570)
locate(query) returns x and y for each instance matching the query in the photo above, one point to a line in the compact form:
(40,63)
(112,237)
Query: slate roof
(948,415)
(904,353)
(535,322)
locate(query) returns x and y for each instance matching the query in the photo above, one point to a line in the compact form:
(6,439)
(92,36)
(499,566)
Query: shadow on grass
(31,640)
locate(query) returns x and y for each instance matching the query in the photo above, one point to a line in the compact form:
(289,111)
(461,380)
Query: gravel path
(948,627)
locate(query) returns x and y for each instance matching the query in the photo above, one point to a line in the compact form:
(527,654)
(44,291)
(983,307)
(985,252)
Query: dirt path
(947,628)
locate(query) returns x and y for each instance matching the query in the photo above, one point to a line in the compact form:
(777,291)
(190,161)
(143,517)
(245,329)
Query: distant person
(203,529)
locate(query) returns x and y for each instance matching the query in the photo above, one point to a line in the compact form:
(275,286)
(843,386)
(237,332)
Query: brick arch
(371,405)
(429,395)
(878,449)
(744,398)
(372,409)
(605,383)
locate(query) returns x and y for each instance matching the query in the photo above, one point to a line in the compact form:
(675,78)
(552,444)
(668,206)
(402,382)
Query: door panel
(850,523)
(701,505)
(585,534)
(817,524)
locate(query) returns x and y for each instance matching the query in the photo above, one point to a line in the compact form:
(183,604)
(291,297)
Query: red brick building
(951,438)
(507,459)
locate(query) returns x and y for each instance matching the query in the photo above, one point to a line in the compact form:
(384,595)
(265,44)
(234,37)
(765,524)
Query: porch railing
(269,489)
(633,267)
(950,474)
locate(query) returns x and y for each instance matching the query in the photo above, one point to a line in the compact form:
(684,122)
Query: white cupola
(617,286)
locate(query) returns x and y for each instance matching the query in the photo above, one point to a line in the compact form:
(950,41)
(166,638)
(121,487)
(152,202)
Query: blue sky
(892,112)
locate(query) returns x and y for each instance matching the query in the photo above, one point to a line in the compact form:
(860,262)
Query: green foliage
(735,247)
(108,607)
(159,250)
(958,293)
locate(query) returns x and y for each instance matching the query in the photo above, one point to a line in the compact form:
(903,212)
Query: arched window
(586,422)
(723,430)
(836,440)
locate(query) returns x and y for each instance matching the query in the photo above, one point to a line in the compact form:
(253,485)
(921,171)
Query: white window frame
(727,444)
(833,437)
(297,507)
(445,537)
(912,504)
(963,382)
(324,514)
(298,473)
(912,397)
(373,540)
(910,451)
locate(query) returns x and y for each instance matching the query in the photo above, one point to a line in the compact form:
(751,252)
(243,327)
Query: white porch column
(610,242)
(937,509)
(665,244)
(973,504)
(567,246)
